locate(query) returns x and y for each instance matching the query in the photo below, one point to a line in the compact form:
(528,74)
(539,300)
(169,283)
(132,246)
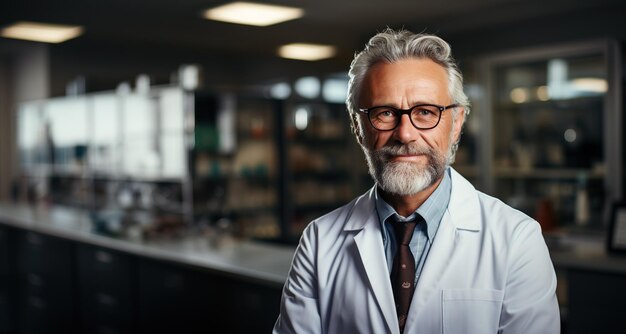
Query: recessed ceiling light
(41,32)
(253,14)
(303,51)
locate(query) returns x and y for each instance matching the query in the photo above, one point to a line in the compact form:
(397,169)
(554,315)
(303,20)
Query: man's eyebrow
(394,105)
(418,102)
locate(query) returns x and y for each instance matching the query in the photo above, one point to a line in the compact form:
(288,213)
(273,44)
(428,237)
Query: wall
(24,75)
(6,130)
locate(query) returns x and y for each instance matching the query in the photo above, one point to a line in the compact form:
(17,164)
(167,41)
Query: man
(467,263)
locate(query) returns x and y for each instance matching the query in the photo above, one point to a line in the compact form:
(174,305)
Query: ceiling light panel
(253,14)
(41,32)
(310,52)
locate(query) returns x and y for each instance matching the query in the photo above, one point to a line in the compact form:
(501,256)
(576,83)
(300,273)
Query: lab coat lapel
(435,267)
(462,216)
(369,243)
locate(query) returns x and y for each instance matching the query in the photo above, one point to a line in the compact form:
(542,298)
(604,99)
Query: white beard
(404,178)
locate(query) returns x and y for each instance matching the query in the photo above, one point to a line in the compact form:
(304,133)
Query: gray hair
(392,46)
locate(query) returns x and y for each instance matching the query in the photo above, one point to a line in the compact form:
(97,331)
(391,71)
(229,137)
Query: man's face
(405,161)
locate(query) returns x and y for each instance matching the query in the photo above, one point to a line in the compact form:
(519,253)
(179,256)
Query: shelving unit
(553,143)
(554,131)
(235,166)
(321,156)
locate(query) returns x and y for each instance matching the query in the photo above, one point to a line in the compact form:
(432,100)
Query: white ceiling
(342,22)
(169,26)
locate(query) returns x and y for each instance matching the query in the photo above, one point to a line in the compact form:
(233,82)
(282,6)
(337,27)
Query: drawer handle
(174,281)
(33,239)
(37,303)
(104,257)
(105,299)
(35,280)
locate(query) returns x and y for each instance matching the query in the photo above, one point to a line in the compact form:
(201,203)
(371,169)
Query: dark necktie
(403,270)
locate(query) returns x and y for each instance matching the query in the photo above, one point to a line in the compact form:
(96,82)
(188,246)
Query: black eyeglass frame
(401,112)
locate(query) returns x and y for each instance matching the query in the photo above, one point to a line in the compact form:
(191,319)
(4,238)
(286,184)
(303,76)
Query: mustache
(404,149)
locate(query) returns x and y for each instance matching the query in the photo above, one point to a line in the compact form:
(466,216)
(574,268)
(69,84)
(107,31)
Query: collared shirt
(431,210)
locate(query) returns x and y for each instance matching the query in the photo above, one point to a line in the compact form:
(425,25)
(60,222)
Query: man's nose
(405,132)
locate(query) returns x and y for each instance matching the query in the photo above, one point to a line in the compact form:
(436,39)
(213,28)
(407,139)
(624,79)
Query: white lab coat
(488,271)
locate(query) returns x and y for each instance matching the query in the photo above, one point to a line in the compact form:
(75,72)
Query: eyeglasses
(422,116)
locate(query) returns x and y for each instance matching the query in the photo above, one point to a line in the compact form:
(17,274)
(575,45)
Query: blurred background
(158,162)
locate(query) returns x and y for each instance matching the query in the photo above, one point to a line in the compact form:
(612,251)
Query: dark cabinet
(173,298)
(45,284)
(7,280)
(597,302)
(250,308)
(53,285)
(105,281)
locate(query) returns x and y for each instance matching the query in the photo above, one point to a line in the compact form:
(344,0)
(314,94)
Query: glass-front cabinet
(324,165)
(234,166)
(553,149)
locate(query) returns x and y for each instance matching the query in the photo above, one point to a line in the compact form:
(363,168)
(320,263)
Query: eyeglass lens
(422,117)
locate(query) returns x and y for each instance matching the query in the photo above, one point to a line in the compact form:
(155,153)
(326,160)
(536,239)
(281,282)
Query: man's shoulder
(501,218)
(491,208)
(497,207)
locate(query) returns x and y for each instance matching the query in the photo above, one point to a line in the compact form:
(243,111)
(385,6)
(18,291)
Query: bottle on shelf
(582,201)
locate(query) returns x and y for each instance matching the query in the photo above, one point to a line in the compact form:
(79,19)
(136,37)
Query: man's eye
(387,113)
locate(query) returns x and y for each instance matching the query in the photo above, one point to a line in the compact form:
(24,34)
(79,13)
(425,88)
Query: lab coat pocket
(471,310)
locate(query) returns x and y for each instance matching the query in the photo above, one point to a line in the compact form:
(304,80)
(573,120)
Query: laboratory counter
(259,261)
(591,281)
(57,272)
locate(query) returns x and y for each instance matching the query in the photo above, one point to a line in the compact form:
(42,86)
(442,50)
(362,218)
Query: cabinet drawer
(104,270)
(37,253)
(49,309)
(45,280)
(36,282)
(106,289)
(173,297)
(102,312)
(261,303)
(104,265)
